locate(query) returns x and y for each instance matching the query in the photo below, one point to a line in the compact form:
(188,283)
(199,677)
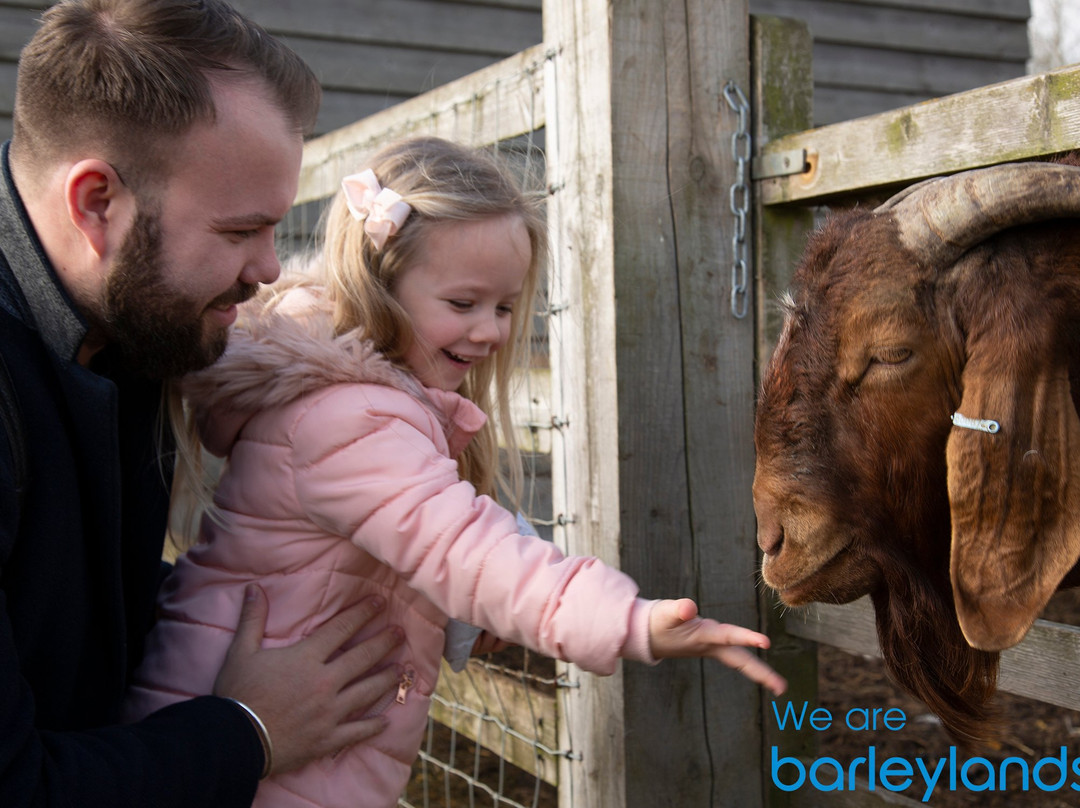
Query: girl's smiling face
(460,294)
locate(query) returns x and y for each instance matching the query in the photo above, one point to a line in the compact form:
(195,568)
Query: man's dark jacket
(80,563)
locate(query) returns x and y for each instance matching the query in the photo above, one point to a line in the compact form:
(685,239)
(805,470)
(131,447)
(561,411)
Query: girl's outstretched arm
(676,630)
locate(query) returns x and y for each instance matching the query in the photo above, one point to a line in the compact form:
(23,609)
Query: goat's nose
(770,530)
(770,535)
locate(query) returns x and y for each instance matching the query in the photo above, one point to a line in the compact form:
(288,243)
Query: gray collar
(47,307)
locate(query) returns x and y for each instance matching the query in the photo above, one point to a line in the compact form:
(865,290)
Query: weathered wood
(479,700)
(497,103)
(897,26)
(383,68)
(340,109)
(877,55)
(371,54)
(655,464)
(782,86)
(1045,666)
(1007,9)
(7,98)
(783,92)
(1013,120)
(894,71)
(685,477)
(832,104)
(7,87)
(585,470)
(17,25)
(494,29)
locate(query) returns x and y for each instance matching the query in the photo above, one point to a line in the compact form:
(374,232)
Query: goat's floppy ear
(1014,494)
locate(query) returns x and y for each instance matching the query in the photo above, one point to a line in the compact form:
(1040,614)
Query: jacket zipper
(408,679)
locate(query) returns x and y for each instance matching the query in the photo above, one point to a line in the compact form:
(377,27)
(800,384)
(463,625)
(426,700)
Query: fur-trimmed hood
(283,347)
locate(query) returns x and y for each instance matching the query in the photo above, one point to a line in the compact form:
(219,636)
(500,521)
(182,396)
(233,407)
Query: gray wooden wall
(869,55)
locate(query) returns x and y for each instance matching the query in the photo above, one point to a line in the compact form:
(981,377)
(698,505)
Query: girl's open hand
(676,630)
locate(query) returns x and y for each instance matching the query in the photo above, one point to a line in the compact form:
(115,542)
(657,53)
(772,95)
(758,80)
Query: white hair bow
(380,209)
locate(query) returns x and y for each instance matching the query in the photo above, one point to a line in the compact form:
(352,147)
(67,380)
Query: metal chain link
(741,151)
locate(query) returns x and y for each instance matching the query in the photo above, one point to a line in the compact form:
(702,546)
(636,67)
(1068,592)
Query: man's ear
(99,204)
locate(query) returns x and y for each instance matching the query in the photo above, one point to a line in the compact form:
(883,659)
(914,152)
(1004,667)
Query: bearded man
(156,144)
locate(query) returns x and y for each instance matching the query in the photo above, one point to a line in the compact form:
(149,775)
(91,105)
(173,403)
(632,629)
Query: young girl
(361,459)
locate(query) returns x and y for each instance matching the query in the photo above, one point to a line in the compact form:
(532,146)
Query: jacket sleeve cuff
(637,646)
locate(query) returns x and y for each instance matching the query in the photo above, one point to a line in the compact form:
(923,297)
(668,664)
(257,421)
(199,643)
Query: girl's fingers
(728,634)
(753,668)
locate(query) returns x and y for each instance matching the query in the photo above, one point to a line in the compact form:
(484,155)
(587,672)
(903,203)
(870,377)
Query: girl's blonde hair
(443,182)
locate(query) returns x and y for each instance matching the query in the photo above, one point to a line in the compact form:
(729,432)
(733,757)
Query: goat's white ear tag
(978,424)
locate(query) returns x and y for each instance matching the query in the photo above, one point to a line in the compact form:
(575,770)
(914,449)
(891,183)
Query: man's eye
(240,235)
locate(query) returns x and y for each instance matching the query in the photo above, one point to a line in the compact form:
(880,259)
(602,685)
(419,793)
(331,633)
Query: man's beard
(159,331)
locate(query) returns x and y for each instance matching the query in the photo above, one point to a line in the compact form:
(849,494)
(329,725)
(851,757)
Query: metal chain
(740,197)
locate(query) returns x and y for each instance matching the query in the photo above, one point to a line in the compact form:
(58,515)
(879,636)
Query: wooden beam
(900,26)
(783,92)
(585,471)
(1013,120)
(690,532)
(1005,9)
(1045,666)
(783,88)
(483,704)
(443,25)
(655,379)
(496,103)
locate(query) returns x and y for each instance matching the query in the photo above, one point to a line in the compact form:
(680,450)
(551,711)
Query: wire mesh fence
(492,736)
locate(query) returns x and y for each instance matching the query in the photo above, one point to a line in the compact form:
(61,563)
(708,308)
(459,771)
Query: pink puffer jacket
(340,483)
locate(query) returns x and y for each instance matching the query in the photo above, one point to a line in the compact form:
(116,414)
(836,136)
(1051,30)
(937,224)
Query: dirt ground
(1034,730)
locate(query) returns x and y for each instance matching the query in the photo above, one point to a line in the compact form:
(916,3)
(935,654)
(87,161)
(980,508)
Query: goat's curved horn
(941,218)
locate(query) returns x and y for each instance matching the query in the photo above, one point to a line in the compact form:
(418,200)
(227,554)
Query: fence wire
(492,732)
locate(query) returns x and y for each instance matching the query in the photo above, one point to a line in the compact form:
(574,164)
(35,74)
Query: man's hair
(129,76)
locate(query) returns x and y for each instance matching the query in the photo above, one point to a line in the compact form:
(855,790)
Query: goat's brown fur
(863,486)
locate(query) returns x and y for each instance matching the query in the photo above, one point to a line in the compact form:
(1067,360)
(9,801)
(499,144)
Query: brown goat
(959,295)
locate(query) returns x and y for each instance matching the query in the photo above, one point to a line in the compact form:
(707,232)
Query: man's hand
(308,695)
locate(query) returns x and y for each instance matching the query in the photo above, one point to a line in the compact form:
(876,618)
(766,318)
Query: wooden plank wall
(869,55)
(372,54)
(368,54)
(875,55)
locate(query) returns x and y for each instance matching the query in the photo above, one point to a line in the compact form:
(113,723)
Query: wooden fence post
(654,377)
(783,87)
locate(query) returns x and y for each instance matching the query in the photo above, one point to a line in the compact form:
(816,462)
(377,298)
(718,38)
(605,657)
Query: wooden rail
(1044,667)
(502,713)
(1014,120)
(497,103)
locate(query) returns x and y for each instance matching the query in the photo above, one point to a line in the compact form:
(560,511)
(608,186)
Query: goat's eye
(891,355)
